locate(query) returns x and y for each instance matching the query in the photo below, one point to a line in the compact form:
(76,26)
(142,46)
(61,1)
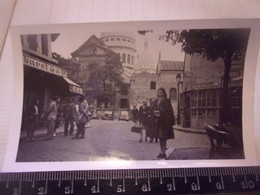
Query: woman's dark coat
(166,119)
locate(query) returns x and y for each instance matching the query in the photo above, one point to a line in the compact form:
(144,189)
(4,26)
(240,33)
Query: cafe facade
(43,78)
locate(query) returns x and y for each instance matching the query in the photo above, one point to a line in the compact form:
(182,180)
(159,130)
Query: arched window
(123,58)
(133,60)
(128,59)
(173,94)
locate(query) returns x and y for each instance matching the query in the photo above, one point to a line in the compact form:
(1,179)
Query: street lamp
(178,79)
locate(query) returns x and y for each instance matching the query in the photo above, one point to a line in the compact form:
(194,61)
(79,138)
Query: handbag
(135,129)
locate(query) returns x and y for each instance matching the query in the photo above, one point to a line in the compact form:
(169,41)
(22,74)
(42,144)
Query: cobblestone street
(105,140)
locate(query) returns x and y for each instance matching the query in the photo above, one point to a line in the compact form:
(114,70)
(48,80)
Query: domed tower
(123,43)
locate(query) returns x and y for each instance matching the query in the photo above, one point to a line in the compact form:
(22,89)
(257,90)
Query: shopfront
(44,80)
(203,106)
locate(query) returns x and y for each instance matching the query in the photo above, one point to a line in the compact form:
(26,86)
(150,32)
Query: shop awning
(74,87)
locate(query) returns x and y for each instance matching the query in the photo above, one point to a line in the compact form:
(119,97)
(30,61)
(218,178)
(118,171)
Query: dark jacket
(69,112)
(166,119)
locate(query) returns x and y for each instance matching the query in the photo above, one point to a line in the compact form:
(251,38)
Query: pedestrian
(143,114)
(135,115)
(81,118)
(164,117)
(52,115)
(58,118)
(69,117)
(151,123)
(33,118)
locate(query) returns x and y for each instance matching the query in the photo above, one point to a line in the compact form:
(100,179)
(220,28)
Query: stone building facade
(144,85)
(91,55)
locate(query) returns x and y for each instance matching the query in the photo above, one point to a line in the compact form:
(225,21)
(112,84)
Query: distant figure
(33,117)
(135,114)
(69,117)
(52,115)
(151,131)
(81,118)
(142,116)
(164,120)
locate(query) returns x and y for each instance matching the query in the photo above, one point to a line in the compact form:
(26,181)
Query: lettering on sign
(44,66)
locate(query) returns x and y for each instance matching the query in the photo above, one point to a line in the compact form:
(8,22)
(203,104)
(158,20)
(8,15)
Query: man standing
(33,115)
(69,117)
(82,118)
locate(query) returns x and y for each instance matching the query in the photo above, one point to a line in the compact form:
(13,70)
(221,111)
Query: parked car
(108,115)
(124,115)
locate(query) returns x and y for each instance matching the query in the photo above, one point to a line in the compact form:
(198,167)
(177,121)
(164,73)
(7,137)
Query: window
(133,60)
(212,112)
(128,40)
(123,39)
(32,41)
(236,98)
(112,39)
(124,92)
(128,59)
(107,40)
(173,94)
(123,103)
(193,112)
(202,98)
(123,58)
(153,85)
(194,99)
(44,39)
(118,39)
(201,112)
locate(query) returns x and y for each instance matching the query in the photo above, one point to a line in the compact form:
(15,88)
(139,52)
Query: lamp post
(178,79)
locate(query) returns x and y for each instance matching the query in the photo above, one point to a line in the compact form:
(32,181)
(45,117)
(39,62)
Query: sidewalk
(189,130)
(42,132)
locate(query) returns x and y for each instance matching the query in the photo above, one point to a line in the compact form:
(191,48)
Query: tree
(110,73)
(227,44)
(71,66)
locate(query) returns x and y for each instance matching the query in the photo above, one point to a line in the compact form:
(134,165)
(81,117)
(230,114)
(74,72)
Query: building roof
(164,65)
(92,40)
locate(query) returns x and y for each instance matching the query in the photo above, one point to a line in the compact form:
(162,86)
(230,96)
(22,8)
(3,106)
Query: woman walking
(164,120)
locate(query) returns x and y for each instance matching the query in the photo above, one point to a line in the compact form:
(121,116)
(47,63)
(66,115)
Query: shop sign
(41,65)
(76,89)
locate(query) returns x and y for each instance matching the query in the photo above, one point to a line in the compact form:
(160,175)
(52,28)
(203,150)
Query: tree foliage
(105,78)
(227,44)
(213,44)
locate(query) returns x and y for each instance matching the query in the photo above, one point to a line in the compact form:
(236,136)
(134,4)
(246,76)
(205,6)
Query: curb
(196,131)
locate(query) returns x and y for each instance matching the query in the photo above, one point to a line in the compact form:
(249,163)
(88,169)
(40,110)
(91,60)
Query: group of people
(156,120)
(73,113)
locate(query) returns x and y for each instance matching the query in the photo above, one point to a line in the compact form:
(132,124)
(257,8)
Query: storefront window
(209,98)
(214,98)
(193,112)
(212,112)
(236,98)
(194,99)
(201,112)
(202,98)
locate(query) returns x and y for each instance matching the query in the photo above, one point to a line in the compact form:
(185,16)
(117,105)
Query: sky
(69,41)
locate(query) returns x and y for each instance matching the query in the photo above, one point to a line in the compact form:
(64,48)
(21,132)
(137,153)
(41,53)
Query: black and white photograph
(133,95)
